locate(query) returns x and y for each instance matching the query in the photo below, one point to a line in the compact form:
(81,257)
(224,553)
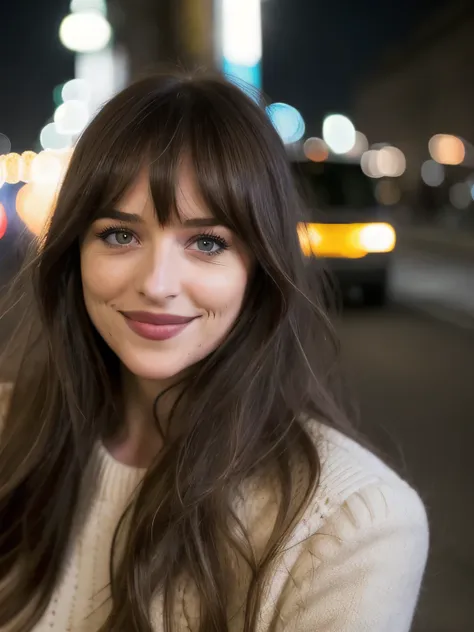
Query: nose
(159,278)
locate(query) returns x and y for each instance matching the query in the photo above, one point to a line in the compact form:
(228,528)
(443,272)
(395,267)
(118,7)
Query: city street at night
(143,382)
(413,380)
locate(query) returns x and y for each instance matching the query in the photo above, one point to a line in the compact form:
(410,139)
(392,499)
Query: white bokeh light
(85,32)
(339,133)
(369,164)
(50,138)
(71,117)
(391,162)
(242,31)
(361,145)
(76,90)
(46,168)
(78,6)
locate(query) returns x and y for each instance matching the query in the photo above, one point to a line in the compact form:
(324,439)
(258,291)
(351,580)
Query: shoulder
(353,483)
(356,559)
(353,478)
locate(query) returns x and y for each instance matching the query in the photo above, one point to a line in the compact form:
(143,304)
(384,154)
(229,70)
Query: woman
(170,456)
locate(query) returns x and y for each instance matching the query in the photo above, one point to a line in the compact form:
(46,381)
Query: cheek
(102,280)
(220,293)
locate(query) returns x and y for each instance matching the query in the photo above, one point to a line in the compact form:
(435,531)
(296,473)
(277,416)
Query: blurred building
(423,89)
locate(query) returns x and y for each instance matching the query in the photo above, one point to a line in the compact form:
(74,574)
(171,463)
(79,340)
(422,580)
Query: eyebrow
(133,218)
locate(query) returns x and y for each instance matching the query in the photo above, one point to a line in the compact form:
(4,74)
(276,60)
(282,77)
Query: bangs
(214,129)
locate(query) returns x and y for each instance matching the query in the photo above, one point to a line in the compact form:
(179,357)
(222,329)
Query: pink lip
(157,326)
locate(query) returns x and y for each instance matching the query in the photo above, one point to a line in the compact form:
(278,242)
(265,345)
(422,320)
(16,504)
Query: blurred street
(413,379)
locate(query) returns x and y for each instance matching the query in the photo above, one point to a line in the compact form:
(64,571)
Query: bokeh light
(310,238)
(12,165)
(242,32)
(46,169)
(315,149)
(460,195)
(50,138)
(287,121)
(387,192)
(391,162)
(432,173)
(447,149)
(75,90)
(339,133)
(77,6)
(85,32)
(34,204)
(71,117)
(27,158)
(3,221)
(361,145)
(5,144)
(369,164)
(379,237)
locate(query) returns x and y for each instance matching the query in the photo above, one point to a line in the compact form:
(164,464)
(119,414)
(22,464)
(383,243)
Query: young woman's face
(162,298)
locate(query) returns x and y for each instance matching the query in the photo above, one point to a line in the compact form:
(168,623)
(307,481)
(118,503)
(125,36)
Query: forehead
(186,199)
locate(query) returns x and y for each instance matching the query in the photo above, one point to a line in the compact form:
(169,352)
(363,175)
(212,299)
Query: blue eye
(209,244)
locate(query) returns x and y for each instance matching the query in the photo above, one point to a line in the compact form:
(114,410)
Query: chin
(155,367)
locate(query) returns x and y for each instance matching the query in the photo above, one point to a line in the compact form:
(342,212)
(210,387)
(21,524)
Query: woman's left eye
(209,245)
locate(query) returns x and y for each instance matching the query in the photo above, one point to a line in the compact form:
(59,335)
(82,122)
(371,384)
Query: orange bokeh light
(316,150)
(447,149)
(35,204)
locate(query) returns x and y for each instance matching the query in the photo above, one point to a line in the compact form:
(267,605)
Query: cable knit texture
(354,562)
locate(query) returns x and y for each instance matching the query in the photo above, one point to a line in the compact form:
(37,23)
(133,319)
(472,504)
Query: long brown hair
(249,397)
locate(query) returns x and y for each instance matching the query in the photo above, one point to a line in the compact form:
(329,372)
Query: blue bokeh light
(287,121)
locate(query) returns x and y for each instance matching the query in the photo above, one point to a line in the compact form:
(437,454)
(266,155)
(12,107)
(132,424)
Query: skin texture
(143,266)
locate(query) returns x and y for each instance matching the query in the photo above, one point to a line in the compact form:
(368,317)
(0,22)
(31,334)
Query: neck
(140,438)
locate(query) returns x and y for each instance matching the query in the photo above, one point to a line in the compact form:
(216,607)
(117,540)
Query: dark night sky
(333,44)
(315,51)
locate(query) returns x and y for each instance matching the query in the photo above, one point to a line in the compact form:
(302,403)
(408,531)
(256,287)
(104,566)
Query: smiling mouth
(157,326)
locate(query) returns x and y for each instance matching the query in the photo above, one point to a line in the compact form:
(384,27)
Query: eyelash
(220,241)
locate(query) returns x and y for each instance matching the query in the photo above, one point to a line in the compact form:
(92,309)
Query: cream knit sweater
(354,563)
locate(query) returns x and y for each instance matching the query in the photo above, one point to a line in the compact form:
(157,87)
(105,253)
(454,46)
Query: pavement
(412,377)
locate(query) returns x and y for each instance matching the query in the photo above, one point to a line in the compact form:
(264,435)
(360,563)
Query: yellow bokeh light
(35,204)
(27,158)
(12,168)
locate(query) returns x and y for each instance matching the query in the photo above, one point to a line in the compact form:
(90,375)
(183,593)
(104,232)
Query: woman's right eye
(118,238)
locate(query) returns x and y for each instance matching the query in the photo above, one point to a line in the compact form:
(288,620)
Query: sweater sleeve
(362,571)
